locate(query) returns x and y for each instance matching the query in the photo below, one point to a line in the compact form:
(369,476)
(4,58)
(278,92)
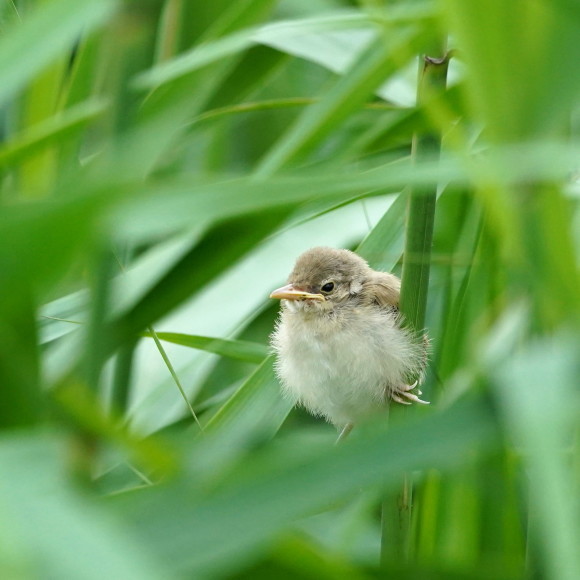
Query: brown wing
(383,289)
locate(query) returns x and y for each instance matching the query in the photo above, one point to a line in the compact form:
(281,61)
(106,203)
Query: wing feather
(383,289)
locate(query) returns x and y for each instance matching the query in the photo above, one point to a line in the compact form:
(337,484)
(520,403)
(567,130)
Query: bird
(342,350)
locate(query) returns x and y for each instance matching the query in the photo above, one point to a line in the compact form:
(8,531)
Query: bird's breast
(340,366)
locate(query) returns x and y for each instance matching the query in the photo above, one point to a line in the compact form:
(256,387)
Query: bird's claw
(407,387)
(398,399)
(405,391)
(415,398)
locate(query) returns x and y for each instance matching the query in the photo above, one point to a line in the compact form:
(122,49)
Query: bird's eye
(328,287)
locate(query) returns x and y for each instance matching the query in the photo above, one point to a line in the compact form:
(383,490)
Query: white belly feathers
(333,374)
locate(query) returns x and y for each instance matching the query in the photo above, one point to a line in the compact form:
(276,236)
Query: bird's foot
(404,392)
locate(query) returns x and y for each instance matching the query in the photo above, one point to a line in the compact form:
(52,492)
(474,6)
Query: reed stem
(397,510)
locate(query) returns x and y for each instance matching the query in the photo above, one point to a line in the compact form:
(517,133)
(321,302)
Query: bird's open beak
(288,292)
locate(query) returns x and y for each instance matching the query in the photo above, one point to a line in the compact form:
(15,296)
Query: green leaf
(383,246)
(237,41)
(56,529)
(204,262)
(46,237)
(518,90)
(287,482)
(371,68)
(56,129)
(543,423)
(259,398)
(54,28)
(194,60)
(21,398)
(253,413)
(236,349)
(62,316)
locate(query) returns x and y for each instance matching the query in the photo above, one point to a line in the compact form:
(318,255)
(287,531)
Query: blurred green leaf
(198,58)
(206,260)
(542,420)
(217,48)
(237,349)
(294,480)
(55,129)
(62,316)
(55,528)
(518,88)
(54,28)
(21,399)
(373,66)
(251,72)
(383,246)
(46,237)
(260,393)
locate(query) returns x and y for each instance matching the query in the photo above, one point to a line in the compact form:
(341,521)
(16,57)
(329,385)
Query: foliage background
(162,165)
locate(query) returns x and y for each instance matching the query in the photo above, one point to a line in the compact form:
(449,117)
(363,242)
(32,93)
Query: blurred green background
(163,163)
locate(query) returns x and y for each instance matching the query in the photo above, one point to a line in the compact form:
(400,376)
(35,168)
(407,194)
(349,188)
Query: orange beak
(288,292)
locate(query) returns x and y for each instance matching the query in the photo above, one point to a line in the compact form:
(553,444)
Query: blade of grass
(122,395)
(161,350)
(237,349)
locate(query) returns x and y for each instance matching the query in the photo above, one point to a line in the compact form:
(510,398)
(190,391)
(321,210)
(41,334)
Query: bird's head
(324,279)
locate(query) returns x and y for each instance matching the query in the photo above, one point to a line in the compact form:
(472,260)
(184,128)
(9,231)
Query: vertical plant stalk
(397,511)
(421,206)
(84,446)
(122,378)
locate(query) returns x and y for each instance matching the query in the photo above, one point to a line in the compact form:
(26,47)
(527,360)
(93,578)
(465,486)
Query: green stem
(421,207)
(96,338)
(397,511)
(122,377)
